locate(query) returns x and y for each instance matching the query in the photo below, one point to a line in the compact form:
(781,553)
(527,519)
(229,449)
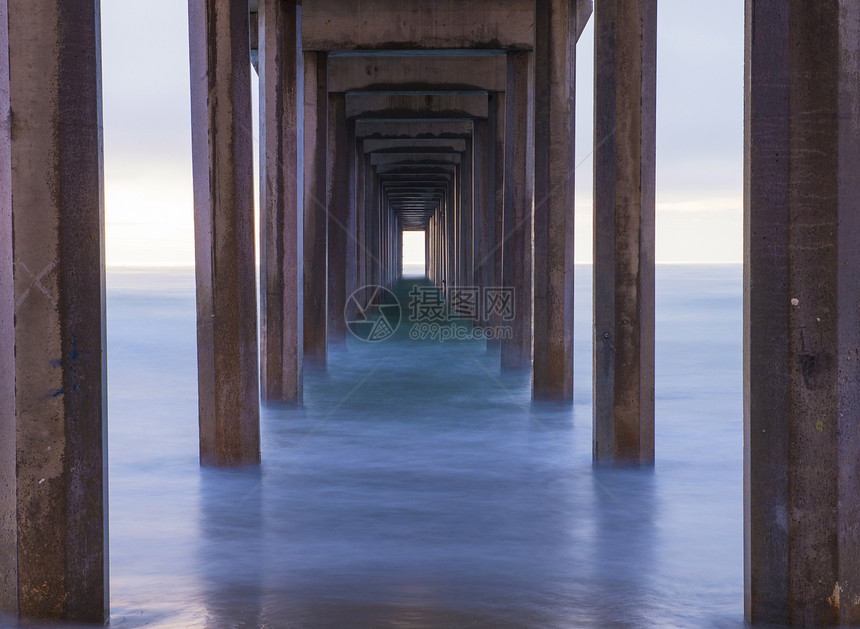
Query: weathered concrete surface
(467,218)
(801,320)
(315,209)
(554,88)
(53,450)
(496,185)
(372,226)
(624,176)
(369,105)
(381,129)
(281,203)
(8,420)
(417,73)
(483,207)
(352,243)
(418,24)
(517,351)
(404,159)
(360,212)
(340,229)
(224,241)
(417,145)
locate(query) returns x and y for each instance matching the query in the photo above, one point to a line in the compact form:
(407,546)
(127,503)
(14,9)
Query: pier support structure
(554,159)
(53,424)
(281,202)
(516,350)
(801,315)
(625,95)
(316,210)
(227,363)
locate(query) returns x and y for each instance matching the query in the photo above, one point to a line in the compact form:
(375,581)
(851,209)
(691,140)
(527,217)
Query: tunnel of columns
(456,119)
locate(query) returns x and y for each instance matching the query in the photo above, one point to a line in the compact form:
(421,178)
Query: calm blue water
(418,486)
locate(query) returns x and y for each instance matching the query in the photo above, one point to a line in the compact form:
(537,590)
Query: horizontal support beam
(453,144)
(417,105)
(404,158)
(426,73)
(418,24)
(408,129)
(415,169)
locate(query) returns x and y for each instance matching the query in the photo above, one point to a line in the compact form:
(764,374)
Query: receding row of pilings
(802,234)
(473,145)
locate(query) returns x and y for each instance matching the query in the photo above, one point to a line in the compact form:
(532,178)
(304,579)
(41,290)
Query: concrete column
(438,220)
(554,89)
(339,226)
(496,186)
(351,246)
(427,253)
(624,174)
(383,240)
(484,208)
(370,254)
(454,230)
(386,215)
(467,218)
(316,211)
(53,423)
(436,254)
(361,214)
(432,252)
(372,227)
(223,231)
(281,205)
(801,315)
(450,241)
(516,351)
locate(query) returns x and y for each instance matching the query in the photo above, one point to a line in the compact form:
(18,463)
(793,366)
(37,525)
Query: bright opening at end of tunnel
(413,243)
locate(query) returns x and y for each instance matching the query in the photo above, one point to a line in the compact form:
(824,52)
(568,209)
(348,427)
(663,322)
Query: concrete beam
(801,315)
(414,73)
(416,169)
(316,210)
(415,145)
(409,129)
(223,231)
(407,159)
(281,204)
(624,181)
(419,24)
(53,406)
(407,105)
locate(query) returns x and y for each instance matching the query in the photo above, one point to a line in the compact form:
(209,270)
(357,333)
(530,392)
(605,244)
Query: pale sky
(149,213)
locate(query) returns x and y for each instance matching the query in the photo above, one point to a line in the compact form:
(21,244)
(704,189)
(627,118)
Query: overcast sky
(699,133)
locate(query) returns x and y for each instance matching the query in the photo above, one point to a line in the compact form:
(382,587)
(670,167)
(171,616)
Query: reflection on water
(419,487)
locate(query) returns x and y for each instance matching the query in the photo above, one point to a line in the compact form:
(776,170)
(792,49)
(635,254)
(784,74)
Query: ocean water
(418,486)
